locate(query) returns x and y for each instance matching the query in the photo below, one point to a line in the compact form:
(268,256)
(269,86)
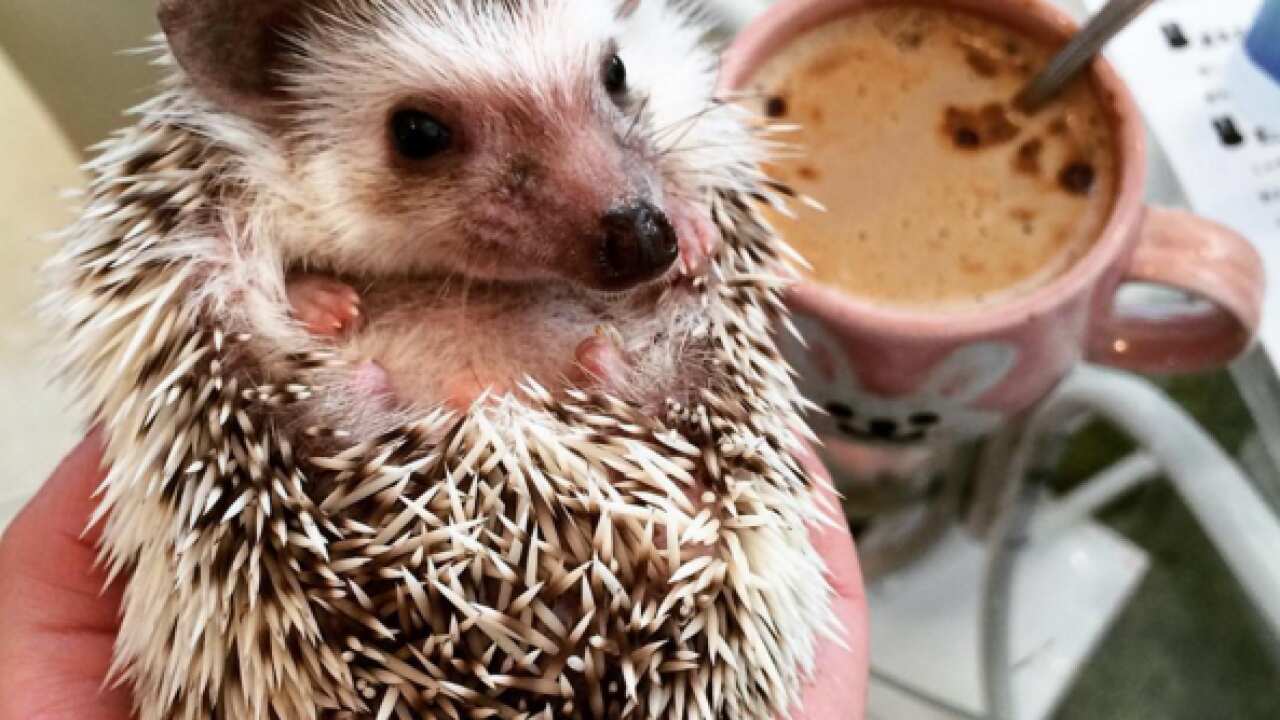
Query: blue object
(1263,41)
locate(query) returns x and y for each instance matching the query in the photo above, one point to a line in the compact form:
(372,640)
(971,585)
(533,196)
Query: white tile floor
(36,424)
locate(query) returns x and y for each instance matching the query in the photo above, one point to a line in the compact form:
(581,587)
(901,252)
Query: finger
(838,689)
(50,542)
(834,542)
(59,625)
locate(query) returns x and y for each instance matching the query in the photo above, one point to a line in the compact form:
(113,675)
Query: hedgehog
(433,346)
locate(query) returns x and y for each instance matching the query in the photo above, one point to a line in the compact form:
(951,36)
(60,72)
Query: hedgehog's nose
(638,244)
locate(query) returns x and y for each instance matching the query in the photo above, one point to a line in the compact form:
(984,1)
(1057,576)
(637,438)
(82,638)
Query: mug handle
(1190,253)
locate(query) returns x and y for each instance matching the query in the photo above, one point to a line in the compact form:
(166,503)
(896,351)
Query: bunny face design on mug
(942,404)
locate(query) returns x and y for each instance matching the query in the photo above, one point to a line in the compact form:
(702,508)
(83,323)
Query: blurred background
(71,56)
(63,84)
(1184,643)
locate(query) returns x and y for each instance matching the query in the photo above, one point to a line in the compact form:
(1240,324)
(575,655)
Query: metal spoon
(1111,19)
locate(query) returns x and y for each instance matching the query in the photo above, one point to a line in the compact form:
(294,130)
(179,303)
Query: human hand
(58,625)
(838,690)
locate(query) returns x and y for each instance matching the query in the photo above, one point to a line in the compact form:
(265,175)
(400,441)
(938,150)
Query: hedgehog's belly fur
(434,338)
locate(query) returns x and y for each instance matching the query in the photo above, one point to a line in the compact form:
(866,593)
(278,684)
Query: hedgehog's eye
(615,75)
(418,135)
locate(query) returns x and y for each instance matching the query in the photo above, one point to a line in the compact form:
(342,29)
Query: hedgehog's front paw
(326,307)
(698,236)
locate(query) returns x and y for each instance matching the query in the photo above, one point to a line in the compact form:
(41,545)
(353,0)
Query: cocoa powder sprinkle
(988,125)
(1077,177)
(1028,158)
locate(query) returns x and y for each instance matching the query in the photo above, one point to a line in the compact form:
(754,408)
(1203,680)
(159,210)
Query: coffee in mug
(882,352)
(940,195)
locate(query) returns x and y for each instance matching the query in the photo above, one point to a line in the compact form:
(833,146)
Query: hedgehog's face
(543,139)
(500,156)
(512,182)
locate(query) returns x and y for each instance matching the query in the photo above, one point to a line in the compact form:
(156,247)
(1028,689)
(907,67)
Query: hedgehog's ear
(232,49)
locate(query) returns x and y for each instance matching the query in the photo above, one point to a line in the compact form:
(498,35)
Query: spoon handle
(1110,20)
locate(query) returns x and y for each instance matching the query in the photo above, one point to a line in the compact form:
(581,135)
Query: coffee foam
(939,195)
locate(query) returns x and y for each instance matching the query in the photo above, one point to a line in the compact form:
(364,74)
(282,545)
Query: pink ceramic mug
(902,377)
